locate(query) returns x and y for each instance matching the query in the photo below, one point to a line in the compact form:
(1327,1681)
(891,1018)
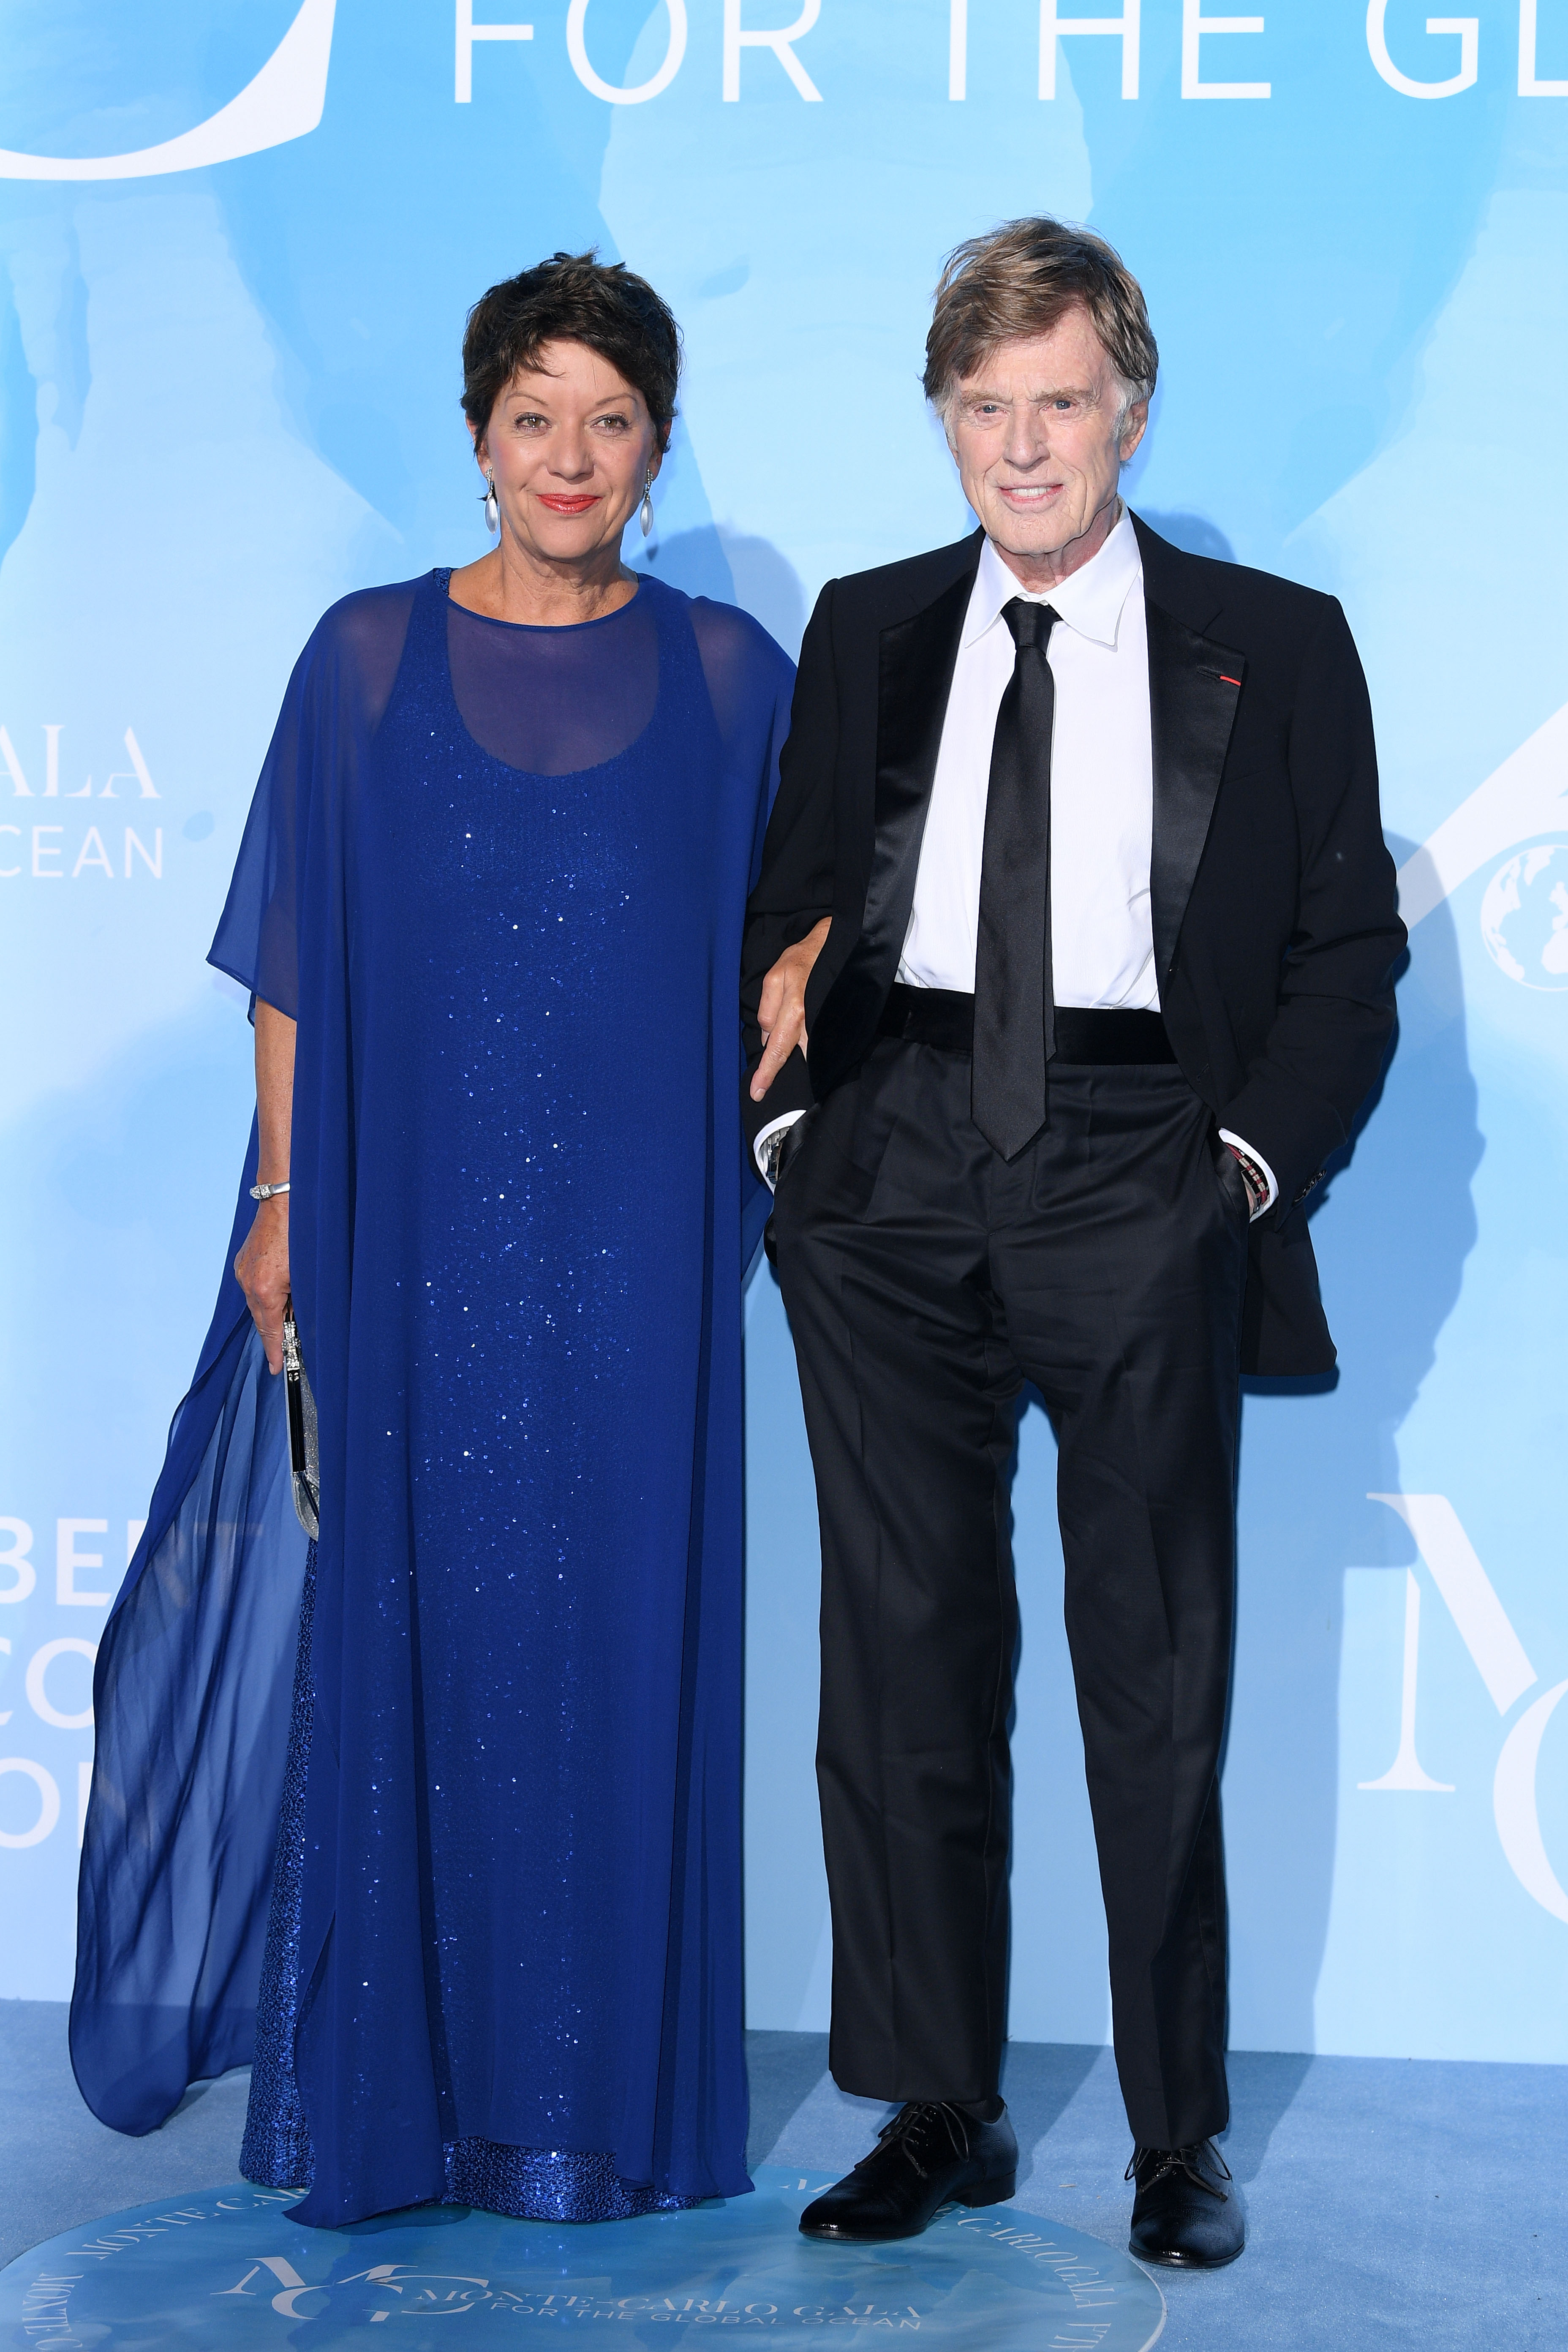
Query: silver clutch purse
(304,1449)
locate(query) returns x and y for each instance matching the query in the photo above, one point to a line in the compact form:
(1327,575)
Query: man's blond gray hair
(1018,280)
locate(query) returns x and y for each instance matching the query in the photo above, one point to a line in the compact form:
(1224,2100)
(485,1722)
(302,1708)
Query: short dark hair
(1018,280)
(572,298)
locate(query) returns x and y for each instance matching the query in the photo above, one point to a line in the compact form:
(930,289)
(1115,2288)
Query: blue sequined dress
(497,875)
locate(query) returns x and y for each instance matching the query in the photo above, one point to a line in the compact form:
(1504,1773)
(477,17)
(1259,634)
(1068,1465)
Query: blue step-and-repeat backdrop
(237,240)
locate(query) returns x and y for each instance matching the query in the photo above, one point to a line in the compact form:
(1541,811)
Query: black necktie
(1015,1013)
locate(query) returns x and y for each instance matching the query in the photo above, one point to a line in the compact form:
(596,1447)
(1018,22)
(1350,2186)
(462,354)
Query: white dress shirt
(1102,786)
(1102,795)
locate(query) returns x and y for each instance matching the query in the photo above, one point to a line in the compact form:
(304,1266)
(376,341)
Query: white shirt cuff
(759,1148)
(1257,1160)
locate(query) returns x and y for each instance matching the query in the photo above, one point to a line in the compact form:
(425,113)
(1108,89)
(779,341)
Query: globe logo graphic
(1524,916)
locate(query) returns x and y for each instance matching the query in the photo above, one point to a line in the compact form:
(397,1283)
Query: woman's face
(571,446)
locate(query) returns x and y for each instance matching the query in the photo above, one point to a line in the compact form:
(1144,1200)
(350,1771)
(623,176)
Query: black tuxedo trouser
(926,1280)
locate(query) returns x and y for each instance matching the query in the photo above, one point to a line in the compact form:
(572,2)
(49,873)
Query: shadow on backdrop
(732,568)
(1192,533)
(1392,1243)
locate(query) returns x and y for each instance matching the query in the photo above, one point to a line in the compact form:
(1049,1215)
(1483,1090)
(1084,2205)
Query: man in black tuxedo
(1068,966)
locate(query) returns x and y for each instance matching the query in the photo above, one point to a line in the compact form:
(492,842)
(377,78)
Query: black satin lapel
(914,678)
(1195,686)
(915,665)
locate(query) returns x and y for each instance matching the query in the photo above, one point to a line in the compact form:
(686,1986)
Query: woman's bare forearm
(262,1267)
(274,1091)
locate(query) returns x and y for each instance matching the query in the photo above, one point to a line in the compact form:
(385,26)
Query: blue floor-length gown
(497,875)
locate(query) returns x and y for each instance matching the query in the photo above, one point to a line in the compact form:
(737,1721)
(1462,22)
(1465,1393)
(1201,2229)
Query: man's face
(1040,439)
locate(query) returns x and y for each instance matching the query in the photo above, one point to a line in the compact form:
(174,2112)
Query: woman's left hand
(780,1015)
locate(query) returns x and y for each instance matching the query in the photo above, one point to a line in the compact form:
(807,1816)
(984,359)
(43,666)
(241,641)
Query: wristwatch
(1253,1177)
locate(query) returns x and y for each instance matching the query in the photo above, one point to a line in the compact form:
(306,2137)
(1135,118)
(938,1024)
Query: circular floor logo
(228,2270)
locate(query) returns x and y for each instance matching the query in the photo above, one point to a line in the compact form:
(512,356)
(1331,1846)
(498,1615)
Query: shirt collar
(1090,601)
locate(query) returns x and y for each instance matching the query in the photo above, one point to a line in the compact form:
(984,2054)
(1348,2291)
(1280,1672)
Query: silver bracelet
(266,1191)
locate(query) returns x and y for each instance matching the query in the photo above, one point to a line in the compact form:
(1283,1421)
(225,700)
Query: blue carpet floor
(1391,2203)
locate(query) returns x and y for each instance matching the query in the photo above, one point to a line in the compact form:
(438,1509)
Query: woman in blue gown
(440,1818)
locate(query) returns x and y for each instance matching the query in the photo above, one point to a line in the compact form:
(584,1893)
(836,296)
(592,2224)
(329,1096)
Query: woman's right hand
(262,1269)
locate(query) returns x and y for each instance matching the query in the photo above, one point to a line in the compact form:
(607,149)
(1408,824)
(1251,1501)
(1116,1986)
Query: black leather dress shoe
(929,2156)
(1187,2211)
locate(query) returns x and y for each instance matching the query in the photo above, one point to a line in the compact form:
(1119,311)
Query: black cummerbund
(944,1017)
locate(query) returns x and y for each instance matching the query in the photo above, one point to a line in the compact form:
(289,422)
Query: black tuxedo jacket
(1275,928)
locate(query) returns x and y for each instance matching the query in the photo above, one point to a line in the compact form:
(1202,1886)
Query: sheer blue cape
(409,735)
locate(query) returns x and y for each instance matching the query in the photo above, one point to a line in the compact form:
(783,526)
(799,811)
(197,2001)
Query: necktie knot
(1030,624)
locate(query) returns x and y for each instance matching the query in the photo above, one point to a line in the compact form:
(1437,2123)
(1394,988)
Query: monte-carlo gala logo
(286,98)
(93,843)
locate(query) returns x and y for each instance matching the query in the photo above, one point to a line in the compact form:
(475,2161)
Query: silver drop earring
(492,508)
(646,516)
